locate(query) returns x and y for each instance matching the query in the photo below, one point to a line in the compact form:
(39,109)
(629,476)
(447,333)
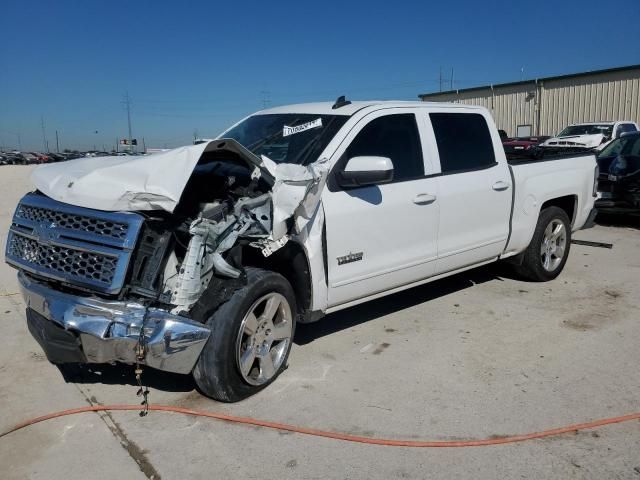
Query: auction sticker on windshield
(286,130)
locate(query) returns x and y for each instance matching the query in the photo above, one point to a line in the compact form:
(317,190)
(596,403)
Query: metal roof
(524,82)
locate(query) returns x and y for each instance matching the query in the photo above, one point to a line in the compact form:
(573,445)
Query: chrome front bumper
(105,331)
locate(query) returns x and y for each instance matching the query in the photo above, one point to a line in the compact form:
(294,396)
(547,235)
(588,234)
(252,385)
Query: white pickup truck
(202,259)
(596,135)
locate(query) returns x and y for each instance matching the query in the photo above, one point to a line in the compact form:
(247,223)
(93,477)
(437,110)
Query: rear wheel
(251,336)
(546,255)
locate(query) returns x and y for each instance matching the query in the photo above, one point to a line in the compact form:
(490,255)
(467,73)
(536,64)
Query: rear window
(464,141)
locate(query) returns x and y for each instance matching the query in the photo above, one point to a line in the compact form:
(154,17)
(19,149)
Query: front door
(381,236)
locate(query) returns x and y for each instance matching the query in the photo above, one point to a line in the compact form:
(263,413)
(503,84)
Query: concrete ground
(477,355)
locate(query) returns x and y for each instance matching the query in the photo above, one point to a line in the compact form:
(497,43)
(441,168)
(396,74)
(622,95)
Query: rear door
(474,190)
(381,236)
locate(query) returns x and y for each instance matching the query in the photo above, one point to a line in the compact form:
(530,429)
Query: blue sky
(198,65)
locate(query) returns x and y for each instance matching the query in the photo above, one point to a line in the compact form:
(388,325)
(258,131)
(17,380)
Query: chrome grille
(64,260)
(73,222)
(78,246)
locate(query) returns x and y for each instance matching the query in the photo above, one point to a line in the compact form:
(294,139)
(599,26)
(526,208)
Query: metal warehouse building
(545,106)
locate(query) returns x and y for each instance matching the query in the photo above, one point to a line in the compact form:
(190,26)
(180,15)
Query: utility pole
(144,146)
(57,143)
(451,78)
(265,98)
(127,104)
(440,78)
(44,135)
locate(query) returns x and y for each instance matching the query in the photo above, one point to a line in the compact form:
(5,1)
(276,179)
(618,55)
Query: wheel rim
(264,338)
(554,243)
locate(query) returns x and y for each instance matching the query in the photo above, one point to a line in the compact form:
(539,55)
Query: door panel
(381,236)
(474,220)
(475,190)
(394,237)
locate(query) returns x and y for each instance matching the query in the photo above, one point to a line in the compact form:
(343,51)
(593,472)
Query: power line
(266,101)
(45,146)
(127,104)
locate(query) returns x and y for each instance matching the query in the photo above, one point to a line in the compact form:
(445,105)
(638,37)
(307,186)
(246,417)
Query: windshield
(626,146)
(587,130)
(287,137)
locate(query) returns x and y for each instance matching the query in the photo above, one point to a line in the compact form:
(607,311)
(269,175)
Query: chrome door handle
(500,186)
(424,199)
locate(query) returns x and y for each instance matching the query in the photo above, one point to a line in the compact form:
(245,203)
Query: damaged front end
(114,256)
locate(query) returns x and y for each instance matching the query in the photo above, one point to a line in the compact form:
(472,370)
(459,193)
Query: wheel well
(567,203)
(290,262)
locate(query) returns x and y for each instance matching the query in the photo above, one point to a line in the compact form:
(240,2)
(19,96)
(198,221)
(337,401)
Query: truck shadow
(620,220)
(120,374)
(350,317)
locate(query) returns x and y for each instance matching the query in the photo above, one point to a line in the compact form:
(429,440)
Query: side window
(464,141)
(624,128)
(395,137)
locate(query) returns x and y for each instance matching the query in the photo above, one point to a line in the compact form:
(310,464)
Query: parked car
(29,158)
(523,146)
(56,157)
(201,260)
(619,181)
(11,158)
(594,135)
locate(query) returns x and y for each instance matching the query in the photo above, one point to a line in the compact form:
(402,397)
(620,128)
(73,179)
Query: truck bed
(537,181)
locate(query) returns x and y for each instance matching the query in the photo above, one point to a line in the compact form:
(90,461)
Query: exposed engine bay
(228,205)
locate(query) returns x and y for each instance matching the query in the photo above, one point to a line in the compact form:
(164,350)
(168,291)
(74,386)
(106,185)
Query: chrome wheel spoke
(281,330)
(557,231)
(247,359)
(267,368)
(271,308)
(251,324)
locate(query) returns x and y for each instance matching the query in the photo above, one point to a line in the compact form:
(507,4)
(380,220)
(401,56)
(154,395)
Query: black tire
(532,267)
(217,373)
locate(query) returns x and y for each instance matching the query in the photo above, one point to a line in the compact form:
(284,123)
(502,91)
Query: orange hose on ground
(335,435)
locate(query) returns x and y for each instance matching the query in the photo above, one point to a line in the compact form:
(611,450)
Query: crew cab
(594,135)
(202,259)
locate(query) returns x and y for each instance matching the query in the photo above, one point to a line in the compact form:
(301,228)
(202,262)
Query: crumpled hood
(150,182)
(588,141)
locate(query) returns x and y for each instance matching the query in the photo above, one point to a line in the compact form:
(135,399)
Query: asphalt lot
(477,355)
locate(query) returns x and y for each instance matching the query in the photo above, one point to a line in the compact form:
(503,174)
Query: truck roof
(326,108)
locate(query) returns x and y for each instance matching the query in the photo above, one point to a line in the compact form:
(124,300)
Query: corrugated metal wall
(586,98)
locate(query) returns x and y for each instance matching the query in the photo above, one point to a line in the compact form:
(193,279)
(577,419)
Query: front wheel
(546,255)
(251,336)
